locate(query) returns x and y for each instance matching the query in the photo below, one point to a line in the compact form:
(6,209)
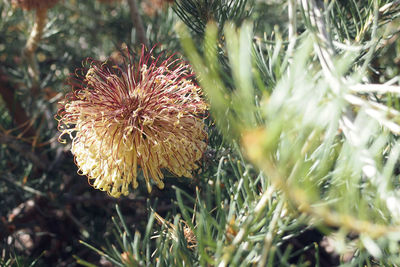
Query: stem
(31,46)
(37,31)
(17,112)
(137,22)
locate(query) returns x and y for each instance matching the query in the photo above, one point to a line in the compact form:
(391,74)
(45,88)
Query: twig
(137,22)
(24,150)
(24,187)
(37,31)
(7,91)
(32,45)
(322,47)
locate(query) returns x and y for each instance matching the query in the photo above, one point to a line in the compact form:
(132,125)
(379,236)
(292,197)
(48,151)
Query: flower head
(145,116)
(34,4)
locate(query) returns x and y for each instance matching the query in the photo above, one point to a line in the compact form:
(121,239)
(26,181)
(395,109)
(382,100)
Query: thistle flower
(34,4)
(145,116)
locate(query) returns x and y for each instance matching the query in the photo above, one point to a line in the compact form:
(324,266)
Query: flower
(147,115)
(34,4)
